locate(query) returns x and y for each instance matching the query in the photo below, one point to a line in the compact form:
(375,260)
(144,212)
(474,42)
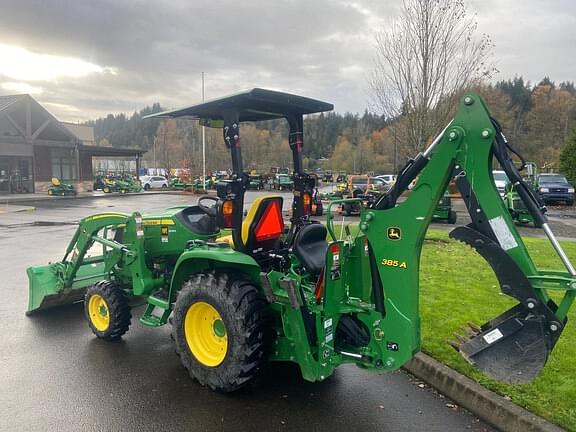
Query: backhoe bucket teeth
(512,348)
(46,288)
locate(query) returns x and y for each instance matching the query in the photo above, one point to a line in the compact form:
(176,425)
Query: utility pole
(155,138)
(203,144)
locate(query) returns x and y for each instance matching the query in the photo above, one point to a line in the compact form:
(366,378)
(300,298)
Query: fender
(202,258)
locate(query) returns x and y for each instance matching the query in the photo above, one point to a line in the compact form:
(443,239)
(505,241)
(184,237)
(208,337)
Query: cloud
(141,52)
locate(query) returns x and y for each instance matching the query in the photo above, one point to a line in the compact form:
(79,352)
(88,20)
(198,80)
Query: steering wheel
(209,210)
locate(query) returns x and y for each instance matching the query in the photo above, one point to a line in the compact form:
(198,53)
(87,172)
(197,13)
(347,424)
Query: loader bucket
(512,348)
(47,288)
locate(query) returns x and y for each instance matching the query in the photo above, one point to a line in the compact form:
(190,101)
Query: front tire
(221,330)
(107,310)
(146,187)
(452,217)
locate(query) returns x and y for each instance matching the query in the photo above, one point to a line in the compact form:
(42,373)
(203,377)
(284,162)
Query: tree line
(537,120)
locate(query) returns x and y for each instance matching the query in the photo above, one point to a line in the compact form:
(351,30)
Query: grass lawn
(457,286)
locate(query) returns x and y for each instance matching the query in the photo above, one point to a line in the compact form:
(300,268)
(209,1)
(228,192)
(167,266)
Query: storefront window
(63,164)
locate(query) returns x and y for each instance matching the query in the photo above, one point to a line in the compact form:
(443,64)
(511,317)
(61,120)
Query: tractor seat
(310,247)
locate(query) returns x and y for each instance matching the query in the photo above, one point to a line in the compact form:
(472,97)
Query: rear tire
(226,353)
(164,186)
(569,203)
(452,217)
(107,311)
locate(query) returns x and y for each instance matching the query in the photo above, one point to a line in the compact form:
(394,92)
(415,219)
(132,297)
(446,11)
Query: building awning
(95,151)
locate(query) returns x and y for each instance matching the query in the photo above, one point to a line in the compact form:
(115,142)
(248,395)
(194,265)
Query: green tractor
(443,211)
(57,188)
(283,182)
(255,181)
(128,184)
(519,212)
(177,183)
(265,293)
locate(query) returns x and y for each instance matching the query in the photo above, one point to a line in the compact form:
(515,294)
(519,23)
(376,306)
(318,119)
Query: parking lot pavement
(56,376)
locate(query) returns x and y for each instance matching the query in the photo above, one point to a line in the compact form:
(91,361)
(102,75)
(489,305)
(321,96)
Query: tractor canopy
(251,105)
(255,105)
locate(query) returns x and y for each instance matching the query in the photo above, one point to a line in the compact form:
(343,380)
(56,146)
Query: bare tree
(426,58)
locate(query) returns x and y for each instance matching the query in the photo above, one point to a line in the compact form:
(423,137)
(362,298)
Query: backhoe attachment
(514,346)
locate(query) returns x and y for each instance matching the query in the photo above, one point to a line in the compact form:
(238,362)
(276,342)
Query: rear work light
(307,203)
(227,214)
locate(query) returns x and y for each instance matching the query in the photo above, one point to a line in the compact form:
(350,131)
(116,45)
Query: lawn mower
(57,188)
(265,293)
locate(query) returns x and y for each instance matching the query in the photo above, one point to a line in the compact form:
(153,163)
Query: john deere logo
(394,233)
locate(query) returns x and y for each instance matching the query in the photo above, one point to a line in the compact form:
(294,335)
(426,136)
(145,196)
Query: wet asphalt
(56,376)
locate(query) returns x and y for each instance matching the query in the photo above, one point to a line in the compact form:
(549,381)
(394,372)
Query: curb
(489,406)
(75,197)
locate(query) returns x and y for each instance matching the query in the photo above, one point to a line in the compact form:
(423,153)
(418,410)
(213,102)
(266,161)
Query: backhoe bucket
(511,348)
(46,286)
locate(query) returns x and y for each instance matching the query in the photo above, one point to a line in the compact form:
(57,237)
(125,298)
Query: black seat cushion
(310,247)
(197,221)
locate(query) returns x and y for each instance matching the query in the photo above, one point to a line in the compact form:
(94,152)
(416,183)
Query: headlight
(570,190)
(544,190)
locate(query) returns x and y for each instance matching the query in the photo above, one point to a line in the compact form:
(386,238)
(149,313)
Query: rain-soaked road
(56,376)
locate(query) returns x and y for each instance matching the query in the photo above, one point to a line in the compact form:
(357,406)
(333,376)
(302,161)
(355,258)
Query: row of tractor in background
(550,188)
(369,187)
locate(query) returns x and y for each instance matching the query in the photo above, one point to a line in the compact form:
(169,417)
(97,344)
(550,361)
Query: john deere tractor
(301,294)
(518,210)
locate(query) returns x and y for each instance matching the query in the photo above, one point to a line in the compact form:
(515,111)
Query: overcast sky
(83,59)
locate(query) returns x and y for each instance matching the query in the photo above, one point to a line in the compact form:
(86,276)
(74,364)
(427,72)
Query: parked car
(554,188)
(500,180)
(154,182)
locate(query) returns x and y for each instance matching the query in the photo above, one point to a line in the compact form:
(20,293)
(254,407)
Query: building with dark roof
(35,147)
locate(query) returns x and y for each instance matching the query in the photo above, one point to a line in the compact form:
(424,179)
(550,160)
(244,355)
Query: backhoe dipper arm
(514,346)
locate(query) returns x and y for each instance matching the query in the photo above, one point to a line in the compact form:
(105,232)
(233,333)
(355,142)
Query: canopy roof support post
(234,189)
(303,183)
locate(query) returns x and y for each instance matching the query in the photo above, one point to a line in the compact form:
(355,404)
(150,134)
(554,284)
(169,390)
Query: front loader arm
(64,282)
(514,346)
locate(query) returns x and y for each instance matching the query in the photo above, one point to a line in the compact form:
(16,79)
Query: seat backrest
(264,224)
(55,181)
(310,247)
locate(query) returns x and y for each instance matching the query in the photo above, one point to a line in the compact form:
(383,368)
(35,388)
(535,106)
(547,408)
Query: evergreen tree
(568,158)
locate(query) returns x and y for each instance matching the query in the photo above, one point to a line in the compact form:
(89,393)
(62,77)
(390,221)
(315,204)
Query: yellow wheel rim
(206,334)
(98,311)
